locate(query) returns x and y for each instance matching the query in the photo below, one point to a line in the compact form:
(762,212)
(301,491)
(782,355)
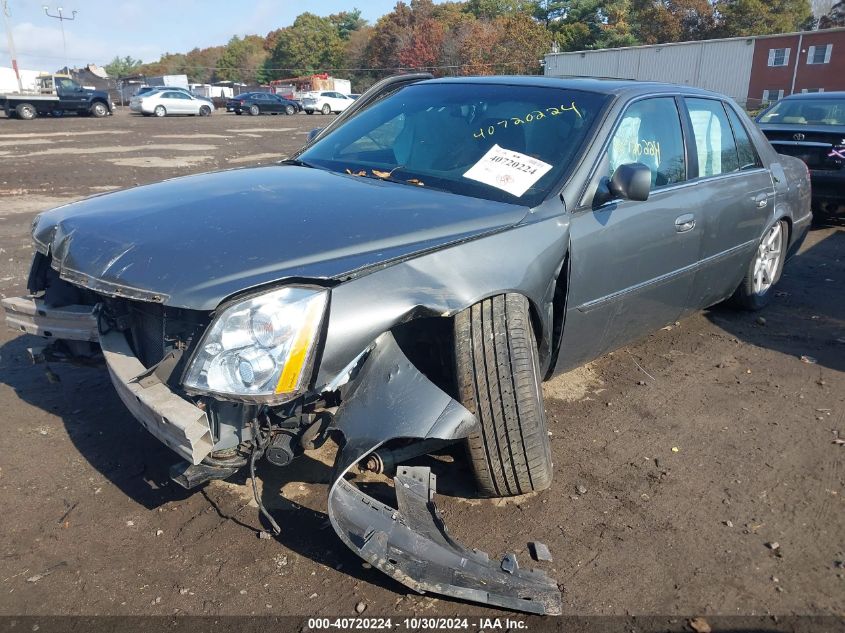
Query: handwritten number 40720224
(534,115)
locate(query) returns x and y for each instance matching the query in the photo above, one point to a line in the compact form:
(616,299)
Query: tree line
(477,37)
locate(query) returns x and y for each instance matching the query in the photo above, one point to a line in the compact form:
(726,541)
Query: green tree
(310,45)
(347,22)
(122,66)
(242,60)
(833,18)
(758,17)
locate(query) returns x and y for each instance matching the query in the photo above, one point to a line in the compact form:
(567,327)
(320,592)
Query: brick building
(753,70)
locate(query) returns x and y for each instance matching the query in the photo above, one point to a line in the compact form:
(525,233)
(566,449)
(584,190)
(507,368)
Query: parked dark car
(811,126)
(408,279)
(256,103)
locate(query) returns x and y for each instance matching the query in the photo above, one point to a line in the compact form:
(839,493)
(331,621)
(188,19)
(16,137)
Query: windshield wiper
(298,162)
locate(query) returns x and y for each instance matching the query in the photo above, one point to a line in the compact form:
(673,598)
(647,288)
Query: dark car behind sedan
(812,127)
(256,103)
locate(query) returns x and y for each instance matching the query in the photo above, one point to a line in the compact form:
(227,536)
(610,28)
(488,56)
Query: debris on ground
(360,607)
(774,546)
(582,489)
(700,625)
(809,360)
(540,551)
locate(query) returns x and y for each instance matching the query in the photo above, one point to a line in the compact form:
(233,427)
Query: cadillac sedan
(408,279)
(169,102)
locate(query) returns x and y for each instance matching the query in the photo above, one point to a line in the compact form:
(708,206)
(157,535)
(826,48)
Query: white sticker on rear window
(508,170)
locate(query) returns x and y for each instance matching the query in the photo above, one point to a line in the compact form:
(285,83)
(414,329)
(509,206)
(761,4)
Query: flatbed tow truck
(56,95)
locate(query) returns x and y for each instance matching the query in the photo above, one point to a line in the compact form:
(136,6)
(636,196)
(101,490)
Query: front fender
(390,399)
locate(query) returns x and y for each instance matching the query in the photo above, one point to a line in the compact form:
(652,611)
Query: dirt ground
(679,461)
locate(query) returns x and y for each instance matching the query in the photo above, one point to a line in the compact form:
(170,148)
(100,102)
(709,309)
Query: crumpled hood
(191,242)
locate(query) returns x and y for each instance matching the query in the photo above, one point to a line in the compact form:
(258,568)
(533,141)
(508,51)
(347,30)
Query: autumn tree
(760,17)
(242,60)
(660,21)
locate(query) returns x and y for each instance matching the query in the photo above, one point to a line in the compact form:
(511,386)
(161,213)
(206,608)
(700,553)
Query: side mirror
(631,181)
(313,133)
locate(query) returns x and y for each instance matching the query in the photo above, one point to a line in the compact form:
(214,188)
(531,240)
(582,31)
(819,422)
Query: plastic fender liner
(390,399)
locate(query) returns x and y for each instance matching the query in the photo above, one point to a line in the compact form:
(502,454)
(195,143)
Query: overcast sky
(105,28)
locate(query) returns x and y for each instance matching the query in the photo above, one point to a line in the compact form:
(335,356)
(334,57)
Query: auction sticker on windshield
(507,170)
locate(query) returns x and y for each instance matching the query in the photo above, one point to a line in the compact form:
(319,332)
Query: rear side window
(650,133)
(714,140)
(748,158)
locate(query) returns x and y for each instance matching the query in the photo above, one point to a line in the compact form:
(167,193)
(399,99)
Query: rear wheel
(498,377)
(160,111)
(99,109)
(26,111)
(205,111)
(326,109)
(764,270)
(254,110)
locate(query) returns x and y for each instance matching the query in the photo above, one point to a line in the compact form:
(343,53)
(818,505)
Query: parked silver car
(169,102)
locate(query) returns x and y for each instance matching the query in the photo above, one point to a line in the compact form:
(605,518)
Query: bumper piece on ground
(411,545)
(69,323)
(390,399)
(175,421)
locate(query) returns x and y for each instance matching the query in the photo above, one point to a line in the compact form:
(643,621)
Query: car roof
(626,87)
(836,94)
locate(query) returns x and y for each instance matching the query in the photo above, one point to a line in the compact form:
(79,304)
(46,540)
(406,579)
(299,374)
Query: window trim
(584,204)
(728,110)
(773,54)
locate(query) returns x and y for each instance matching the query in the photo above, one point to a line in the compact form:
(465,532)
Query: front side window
(714,140)
(778,56)
(819,54)
(509,143)
(650,133)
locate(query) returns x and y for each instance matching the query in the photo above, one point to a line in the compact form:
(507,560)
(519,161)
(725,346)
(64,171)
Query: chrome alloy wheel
(767,260)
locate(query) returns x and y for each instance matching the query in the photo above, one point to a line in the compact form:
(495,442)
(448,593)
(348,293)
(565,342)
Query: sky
(145,30)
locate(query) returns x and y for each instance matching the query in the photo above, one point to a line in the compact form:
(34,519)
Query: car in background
(146,90)
(354,96)
(326,102)
(168,102)
(811,126)
(256,103)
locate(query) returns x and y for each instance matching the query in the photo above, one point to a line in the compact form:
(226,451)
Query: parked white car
(165,102)
(326,102)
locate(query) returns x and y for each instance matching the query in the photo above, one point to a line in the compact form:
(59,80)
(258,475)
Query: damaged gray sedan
(408,280)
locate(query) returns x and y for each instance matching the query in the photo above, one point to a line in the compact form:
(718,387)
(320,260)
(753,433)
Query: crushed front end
(227,387)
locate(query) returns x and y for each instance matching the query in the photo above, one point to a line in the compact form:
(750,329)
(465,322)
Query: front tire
(765,269)
(326,109)
(205,111)
(498,376)
(160,111)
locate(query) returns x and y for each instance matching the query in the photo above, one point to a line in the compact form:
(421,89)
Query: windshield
(807,112)
(499,142)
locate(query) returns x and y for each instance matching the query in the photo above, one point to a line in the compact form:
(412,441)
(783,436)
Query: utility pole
(4,9)
(61,17)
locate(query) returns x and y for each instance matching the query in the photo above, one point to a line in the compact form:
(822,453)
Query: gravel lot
(699,447)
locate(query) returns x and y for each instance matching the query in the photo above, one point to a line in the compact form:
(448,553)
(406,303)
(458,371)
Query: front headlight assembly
(260,349)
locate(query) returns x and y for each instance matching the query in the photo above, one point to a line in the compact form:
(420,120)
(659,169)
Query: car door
(71,95)
(736,193)
(632,262)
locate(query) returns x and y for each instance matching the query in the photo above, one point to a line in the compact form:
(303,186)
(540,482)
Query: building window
(771,95)
(805,90)
(778,56)
(819,54)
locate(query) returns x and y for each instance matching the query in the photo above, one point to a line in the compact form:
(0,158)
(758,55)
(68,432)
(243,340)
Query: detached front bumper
(171,419)
(386,399)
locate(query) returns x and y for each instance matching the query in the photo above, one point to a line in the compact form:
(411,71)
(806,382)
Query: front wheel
(205,111)
(326,109)
(498,376)
(764,270)
(99,109)
(160,111)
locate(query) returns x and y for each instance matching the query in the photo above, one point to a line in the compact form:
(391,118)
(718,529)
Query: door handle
(761,200)
(685,223)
